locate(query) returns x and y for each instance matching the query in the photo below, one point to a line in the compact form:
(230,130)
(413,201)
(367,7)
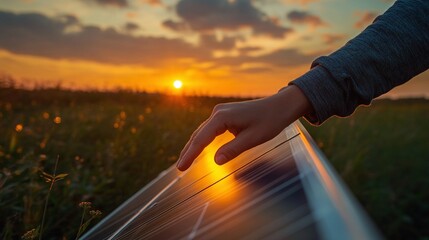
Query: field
(112,144)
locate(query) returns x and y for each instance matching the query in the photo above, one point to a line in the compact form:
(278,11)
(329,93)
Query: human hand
(252,123)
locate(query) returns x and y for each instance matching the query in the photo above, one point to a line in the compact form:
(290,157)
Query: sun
(177,84)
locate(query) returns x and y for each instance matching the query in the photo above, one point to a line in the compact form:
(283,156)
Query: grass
(382,153)
(112,144)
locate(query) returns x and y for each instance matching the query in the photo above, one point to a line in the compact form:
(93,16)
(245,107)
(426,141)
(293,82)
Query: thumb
(235,147)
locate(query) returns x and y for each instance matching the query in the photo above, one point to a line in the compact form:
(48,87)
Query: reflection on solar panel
(282,189)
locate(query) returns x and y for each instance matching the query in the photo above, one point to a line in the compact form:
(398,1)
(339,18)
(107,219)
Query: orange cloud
(43,50)
(152,2)
(198,78)
(303,17)
(77,74)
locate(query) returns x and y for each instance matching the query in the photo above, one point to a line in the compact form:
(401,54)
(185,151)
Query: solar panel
(282,189)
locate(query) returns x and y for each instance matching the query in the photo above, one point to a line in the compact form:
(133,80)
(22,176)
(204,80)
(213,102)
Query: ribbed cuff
(322,91)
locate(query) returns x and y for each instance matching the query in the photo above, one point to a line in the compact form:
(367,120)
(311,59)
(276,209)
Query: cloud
(303,17)
(254,70)
(332,38)
(69,19)
(209,15)
(175,25)
(286,58)
(209,41)
(247,50)
(112,3)
(365,18)
(36,34)
(131,27)
(283,58)
(152,2)
(301,2)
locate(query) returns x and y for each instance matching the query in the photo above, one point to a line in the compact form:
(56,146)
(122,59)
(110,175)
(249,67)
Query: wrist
(294,103)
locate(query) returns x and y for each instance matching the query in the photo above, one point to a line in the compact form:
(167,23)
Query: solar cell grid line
(87,234)
(301,228)
(213,198)
(252,215)
(206,185)
(260,200)
(198,223)
(282,189)
(214,218)
(180,223)
(170,222)
(237,205)
(160,204)
(132,205)
(182,190)
(117,232)
(282,222)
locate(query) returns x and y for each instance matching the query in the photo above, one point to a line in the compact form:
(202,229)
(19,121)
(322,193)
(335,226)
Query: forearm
(297,102)
(388,53)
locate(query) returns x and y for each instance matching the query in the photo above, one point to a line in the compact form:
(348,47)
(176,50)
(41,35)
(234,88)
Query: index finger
(203,137)
(185,148)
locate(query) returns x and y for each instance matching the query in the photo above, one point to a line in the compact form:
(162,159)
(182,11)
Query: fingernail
(220,159)
(179,164)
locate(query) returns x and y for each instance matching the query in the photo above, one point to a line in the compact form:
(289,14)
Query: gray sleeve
(388,53)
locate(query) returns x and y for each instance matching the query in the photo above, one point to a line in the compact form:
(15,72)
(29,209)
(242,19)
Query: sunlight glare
(226,186)
(177,84)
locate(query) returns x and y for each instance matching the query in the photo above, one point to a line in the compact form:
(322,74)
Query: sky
(215,47)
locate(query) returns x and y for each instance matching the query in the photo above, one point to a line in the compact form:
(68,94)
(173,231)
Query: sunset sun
(177,84)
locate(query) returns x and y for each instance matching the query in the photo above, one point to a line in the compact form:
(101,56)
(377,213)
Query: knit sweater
(389,52)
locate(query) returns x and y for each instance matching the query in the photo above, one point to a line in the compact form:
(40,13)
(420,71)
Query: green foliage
(50,178)
(84,222)
(382,153)
(110,145)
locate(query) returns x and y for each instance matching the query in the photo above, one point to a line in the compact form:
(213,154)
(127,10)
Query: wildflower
(95,213)
(19,127)
(45,115)
(133,130)
(85,224)
(57,120)
(29,235)
(43,157)
(141,118)
(79,159)
(123,115)
(85,204)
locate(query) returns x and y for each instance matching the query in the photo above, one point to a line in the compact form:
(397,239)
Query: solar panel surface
(282,189)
